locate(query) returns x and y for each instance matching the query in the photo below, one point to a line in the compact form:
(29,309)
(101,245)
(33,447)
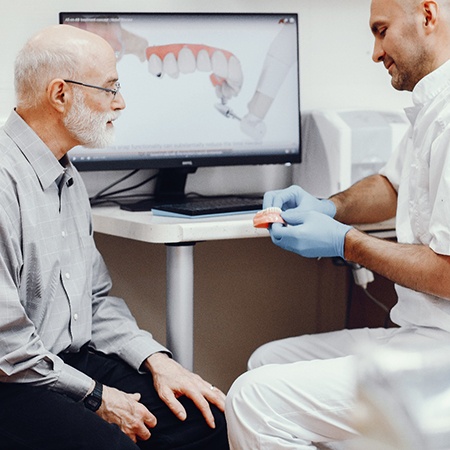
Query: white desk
(180,236)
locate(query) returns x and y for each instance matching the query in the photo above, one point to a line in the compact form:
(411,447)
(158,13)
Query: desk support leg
(180,303)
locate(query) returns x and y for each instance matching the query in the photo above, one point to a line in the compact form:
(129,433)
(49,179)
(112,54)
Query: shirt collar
(39,156)
(432,85)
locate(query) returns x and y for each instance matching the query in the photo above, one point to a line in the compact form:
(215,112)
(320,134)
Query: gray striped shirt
(53,282)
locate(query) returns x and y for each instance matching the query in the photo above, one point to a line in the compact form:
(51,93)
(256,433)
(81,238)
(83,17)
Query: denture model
(173,59)
(268,216)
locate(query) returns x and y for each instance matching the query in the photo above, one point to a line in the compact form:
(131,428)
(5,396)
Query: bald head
(60,51)
(63,36)
(410,7)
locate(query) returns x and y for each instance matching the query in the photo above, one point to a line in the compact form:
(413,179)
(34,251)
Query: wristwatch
(94,399)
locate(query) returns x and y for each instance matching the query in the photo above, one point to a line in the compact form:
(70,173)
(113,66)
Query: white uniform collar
(427,89)
(432,85)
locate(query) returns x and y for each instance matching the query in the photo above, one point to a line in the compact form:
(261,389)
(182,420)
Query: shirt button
(75,316)
(63,233)
(67,275)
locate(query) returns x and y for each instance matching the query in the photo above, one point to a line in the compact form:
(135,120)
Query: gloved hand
(294,197)
(314,235)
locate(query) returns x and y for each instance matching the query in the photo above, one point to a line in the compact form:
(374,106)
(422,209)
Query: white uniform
(299,393)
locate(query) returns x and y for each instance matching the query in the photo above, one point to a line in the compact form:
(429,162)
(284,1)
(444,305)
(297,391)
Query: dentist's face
(397,27)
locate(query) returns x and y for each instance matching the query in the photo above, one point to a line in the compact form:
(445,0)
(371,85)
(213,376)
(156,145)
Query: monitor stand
(170,187)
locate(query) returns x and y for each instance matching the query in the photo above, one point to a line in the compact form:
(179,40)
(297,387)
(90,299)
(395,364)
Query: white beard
(87,126)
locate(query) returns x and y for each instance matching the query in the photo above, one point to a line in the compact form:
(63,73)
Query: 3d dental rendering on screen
(204,83)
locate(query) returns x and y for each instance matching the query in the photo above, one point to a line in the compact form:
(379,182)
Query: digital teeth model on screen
(173,59)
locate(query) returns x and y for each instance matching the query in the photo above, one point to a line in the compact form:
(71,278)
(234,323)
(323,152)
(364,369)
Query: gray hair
(36,66)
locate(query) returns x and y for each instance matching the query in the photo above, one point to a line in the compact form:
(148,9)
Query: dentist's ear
(58,94)
(430,13)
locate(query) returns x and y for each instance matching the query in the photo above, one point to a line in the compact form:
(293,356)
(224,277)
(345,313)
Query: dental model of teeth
(268,216)
(173,59)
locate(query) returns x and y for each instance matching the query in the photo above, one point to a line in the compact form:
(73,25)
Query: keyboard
(199,206)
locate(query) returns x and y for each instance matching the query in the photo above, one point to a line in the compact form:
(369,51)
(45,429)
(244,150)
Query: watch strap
(93,400)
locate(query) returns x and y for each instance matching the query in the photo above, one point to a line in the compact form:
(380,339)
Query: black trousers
(40,419)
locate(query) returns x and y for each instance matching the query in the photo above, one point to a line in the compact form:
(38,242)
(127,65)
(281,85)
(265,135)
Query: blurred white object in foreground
(403,399)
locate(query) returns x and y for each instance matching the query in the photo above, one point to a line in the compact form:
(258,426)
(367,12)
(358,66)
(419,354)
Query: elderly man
(300,393)
(76,372)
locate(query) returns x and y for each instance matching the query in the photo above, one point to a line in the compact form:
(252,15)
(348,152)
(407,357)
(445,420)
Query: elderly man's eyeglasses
(111,91)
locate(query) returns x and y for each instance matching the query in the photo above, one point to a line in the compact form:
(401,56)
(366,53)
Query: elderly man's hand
(172,380)
(125,410)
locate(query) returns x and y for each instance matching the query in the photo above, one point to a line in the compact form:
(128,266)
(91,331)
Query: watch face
(93,403)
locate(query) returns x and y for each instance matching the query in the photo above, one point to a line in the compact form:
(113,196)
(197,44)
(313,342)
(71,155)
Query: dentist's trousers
(299,393)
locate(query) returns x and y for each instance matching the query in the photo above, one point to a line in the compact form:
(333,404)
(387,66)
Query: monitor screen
(201,89)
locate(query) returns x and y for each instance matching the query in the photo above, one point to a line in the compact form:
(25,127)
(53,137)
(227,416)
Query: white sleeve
(392,170)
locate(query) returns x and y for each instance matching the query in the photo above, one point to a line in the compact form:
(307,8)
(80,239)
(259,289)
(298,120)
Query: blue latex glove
(295,197)
(314,235)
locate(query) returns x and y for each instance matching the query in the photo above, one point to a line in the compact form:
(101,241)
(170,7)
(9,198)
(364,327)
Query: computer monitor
(202,89)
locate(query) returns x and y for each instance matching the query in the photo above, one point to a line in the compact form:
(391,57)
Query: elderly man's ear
(58,95)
